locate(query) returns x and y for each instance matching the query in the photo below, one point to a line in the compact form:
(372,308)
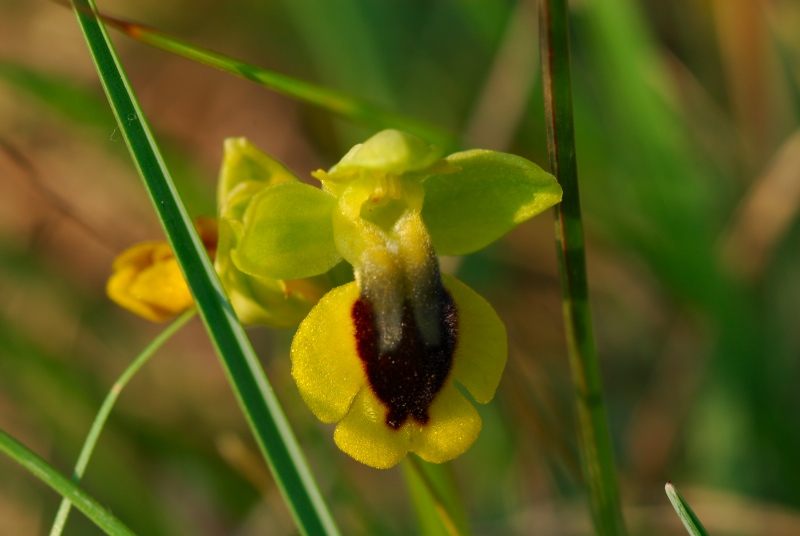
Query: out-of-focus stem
(594,440)
(105,410)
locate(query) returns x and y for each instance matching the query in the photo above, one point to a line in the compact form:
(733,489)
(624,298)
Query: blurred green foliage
(685,117)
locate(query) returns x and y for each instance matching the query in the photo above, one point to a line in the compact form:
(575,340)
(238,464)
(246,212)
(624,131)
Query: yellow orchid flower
(381,355)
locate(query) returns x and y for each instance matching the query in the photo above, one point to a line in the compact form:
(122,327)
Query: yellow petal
(452,428)
(118,288)
(364,435)
(138,256)
(325,362)
(162,285)
(482,346)
(147,281)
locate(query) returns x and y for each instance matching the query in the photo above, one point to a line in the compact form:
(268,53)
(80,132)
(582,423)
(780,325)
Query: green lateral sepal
(489,194)
(288,233)
(246,170)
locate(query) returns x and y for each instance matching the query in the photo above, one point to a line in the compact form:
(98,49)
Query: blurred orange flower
(148,281)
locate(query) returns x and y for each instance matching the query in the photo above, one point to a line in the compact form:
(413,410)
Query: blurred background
(689,154)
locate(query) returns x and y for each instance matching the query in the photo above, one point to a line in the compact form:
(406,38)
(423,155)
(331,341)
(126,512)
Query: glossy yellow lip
(332,379)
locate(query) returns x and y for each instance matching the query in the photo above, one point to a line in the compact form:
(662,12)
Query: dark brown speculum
(407,377)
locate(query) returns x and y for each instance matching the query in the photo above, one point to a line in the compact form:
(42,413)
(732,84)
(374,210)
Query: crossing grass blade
(105,409)
(250,385)
(435,498)
(63,485)
(594,439)
(339,103)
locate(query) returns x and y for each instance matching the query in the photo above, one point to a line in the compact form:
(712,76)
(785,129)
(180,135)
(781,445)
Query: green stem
(594,439)
(63,485)
(256,398)
(105,409)
(428,497)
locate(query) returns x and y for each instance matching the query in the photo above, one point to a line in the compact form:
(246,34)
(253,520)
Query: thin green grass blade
(690,521)
(63,485)
(594,439)
(435,500)
(336,102)
(247,378)
(105,410)
(84,108)
(343,47)
(58,93)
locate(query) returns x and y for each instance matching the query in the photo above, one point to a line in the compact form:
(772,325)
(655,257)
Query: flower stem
(105,410)
(594,440)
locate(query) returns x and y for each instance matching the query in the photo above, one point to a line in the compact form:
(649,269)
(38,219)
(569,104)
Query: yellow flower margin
(331,378)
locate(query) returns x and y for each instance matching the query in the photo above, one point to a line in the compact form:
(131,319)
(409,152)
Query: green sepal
(389,152)
(288,233)
(261,300)
(489,194)
(246,170)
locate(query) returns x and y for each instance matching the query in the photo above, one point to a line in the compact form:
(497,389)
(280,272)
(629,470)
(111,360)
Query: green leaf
(490,194)
(288,233)
(594,436)
(105,410)
(47,474)
(250,385)
(690,521)
(435,498)
(60,94)
(336,102)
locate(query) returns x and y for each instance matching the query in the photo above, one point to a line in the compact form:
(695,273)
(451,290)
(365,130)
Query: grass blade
(247,378)
(594,439)
(57,93)
(435,499)
(690,521)
(63,485)
(339,103)
(105,410)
